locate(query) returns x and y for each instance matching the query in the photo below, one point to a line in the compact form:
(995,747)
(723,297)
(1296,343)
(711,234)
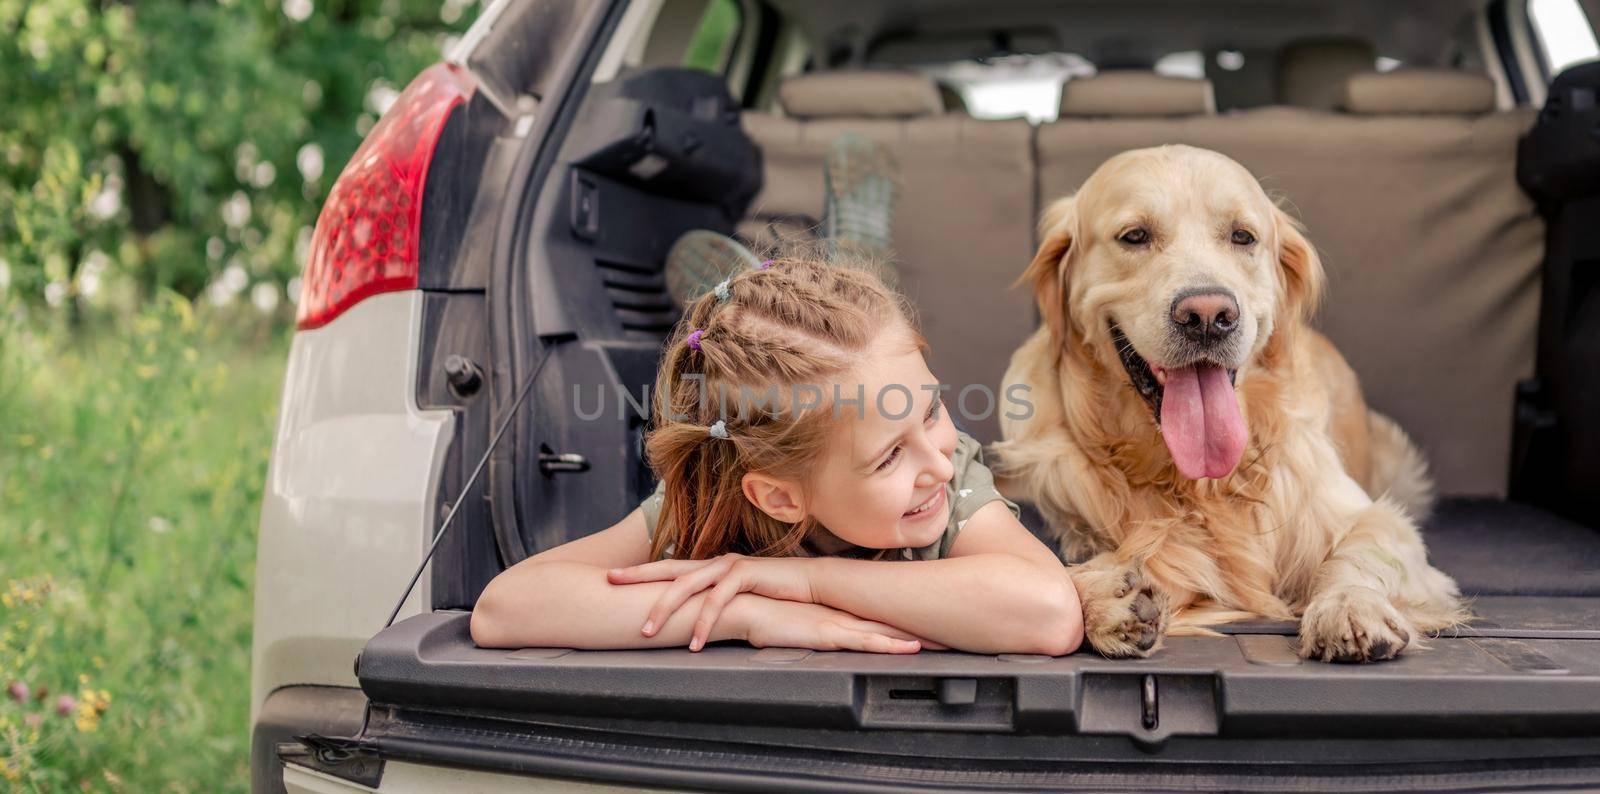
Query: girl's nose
(937,469)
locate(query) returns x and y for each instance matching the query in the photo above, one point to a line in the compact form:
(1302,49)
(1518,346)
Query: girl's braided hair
(804,319)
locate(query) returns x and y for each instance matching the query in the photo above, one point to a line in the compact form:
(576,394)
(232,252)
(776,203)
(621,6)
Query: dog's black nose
(1205,315)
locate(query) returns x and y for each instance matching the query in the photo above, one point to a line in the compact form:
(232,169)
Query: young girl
(814,494)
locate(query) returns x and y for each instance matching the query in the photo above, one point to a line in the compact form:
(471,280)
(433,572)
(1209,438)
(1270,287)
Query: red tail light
(366,240)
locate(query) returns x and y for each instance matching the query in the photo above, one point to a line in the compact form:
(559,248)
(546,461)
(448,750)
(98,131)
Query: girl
(814,493)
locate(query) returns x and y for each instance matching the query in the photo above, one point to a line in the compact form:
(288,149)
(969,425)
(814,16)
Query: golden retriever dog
(1202,450)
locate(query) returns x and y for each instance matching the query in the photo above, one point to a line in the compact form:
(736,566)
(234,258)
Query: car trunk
(1511,699)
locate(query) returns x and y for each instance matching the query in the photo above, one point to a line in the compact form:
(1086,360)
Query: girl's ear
(1047,274)
(1300,269)
(780,499)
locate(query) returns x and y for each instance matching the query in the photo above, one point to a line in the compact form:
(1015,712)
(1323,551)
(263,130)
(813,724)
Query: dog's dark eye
(1242,237)
(1135,237)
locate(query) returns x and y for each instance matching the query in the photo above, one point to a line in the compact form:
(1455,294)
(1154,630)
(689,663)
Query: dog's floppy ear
(1047,274)
(1299,267)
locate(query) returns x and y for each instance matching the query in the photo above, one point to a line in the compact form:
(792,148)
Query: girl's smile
(885,486)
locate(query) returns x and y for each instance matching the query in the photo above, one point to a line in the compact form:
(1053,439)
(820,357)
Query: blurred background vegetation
(185,145)
(161,166)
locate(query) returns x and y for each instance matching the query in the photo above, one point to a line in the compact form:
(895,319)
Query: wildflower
(9,772)
(18,691)
(65,704)
(33,720)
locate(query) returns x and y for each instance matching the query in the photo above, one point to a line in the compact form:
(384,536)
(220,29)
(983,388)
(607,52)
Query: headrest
(860,93)
(1419,91)
(1312,73)
(1136,93)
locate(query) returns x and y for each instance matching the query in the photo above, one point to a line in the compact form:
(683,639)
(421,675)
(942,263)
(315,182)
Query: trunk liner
(1529,666)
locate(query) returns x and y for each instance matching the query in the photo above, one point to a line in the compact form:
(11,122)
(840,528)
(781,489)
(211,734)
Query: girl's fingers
(848,639)
(658,571)
(711,610)
(678,592)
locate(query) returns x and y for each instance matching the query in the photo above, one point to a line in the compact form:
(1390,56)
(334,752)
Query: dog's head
(1171,264)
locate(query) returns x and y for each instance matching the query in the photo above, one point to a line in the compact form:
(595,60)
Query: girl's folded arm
(998,590)
(561,598)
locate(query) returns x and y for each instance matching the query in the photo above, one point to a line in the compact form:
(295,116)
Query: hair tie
(722,291)
(765,263)
(719,429)
(694,339)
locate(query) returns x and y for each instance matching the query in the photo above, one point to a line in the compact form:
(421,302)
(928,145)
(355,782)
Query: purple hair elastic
(694,339)
(766,263)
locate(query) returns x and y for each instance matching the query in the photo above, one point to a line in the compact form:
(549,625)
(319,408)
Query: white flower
(264,174)
(309,161)
(265,296)
(297,10)
(236,210)
(380,97)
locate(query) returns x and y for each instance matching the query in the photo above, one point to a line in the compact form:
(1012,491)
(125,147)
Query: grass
(132,456)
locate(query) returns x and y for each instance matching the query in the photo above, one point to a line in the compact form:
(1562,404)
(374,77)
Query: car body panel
(348,500)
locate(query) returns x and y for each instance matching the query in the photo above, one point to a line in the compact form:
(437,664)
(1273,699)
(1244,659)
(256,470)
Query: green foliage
(165,143)
(131,474)
(714,37)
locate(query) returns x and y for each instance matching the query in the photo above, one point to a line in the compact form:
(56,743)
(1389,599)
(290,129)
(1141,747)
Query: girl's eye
(1243,237)
(1135,236)
(933,410)
(894,455)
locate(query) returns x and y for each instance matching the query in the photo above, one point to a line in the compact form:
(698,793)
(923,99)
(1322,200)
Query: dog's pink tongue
(1201,423)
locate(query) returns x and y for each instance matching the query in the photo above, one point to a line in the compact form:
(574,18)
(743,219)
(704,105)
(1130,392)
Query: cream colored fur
(1318,521)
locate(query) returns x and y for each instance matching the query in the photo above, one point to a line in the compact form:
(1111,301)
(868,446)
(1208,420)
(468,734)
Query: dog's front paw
(1124,614)
(1353,624)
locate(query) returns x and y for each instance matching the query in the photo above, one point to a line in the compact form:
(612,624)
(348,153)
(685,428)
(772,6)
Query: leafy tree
(188,145)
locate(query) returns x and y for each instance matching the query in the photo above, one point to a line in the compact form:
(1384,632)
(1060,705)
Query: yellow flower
(6,599)
(9,772)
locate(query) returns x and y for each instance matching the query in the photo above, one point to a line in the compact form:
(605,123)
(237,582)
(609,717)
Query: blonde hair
(800,320)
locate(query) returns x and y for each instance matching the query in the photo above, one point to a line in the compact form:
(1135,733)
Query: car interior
(1391,133)
(1441,171)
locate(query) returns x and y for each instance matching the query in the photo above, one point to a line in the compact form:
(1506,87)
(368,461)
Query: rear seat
(1432,251)
(964,226)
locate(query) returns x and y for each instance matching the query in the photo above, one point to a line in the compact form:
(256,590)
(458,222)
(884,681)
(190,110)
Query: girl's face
(881,482)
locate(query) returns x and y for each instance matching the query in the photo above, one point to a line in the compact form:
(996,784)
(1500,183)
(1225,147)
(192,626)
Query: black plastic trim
(1500,31)
(516,334)
(296,710)
(1240,686)
(560,751)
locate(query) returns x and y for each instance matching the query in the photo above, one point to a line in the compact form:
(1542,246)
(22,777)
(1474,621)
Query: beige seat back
(964,224)
(1432,250)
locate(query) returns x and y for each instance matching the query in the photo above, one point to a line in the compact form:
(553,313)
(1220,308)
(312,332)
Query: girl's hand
(789,624)
(780,578)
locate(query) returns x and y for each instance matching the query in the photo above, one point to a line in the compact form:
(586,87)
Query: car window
(711,48)
(1564,33)
(1012,86)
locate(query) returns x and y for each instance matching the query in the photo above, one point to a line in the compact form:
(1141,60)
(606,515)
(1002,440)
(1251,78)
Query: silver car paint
(348,498)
